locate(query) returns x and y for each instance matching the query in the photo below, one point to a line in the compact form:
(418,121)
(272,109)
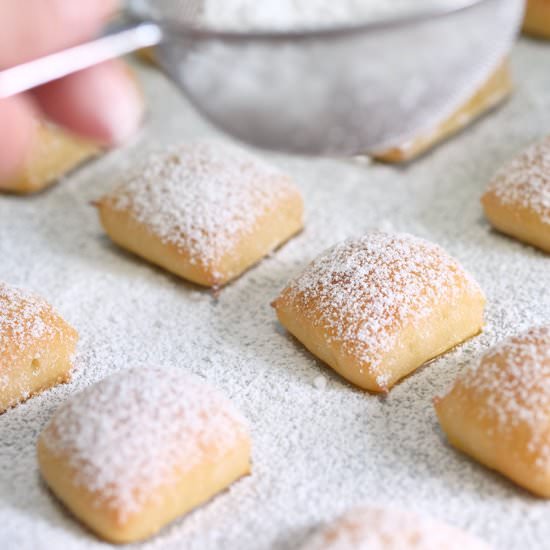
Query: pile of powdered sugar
(316,452)
(292,14)
(364,291)
(138,431)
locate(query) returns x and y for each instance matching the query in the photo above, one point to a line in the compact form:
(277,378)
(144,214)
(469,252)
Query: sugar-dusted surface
(135,432)
(316,453)
(21,322)
(525,181)
(372,528)
(292,14)
(366,290)
(513,383)
(202,197)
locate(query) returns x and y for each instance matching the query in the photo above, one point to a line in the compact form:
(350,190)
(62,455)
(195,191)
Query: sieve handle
(118,40)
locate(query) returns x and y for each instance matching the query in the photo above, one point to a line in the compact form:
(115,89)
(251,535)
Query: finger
(18,127)
(32,28)
(103,103)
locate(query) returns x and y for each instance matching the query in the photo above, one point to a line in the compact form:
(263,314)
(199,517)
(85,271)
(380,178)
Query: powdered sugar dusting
(202,197)
(526,180)
(315,453)
(513,382)
(137,431)
(367,289)
(21,322)
(285,14)
(387,529)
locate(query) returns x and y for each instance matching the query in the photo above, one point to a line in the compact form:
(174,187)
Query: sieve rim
(173,28)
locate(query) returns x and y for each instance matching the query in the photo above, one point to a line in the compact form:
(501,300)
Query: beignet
(517,201)
(204,211)
(36,346)
(499,413)
(140,448)
(55,152)
(378,307)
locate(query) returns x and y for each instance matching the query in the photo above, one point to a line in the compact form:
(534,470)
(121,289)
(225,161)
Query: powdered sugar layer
(368,289)
(513,382)
(316,453)
(202,197)
(137,431)
(525,181)
(291,14)
(372,528)
(21,321)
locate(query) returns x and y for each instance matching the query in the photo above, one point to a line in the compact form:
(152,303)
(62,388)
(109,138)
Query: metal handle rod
(117,42)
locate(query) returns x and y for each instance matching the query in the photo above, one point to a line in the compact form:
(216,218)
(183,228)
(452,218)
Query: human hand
(102,103)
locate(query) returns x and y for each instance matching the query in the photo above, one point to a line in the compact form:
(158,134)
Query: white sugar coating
(513,380)
(525,181)
(371,528)
(137,431)
(21,322)
(315,454)
(290,14)
(366,290)
(202,197)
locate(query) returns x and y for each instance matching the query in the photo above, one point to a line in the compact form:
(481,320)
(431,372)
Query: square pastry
(376,528)
(140,448)
(499,412)
(36,346)
(517,201)
(55,152)
(204,211)
(378,307)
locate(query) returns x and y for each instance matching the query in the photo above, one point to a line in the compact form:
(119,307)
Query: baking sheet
(316,451)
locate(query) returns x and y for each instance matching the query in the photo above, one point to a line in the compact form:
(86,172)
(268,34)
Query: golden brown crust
(272,230)
(447,328)
(495,90)
(377,308)
(191,489)
(54,154)
(516,221)
(537,18)
(36,347)
(499,413)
